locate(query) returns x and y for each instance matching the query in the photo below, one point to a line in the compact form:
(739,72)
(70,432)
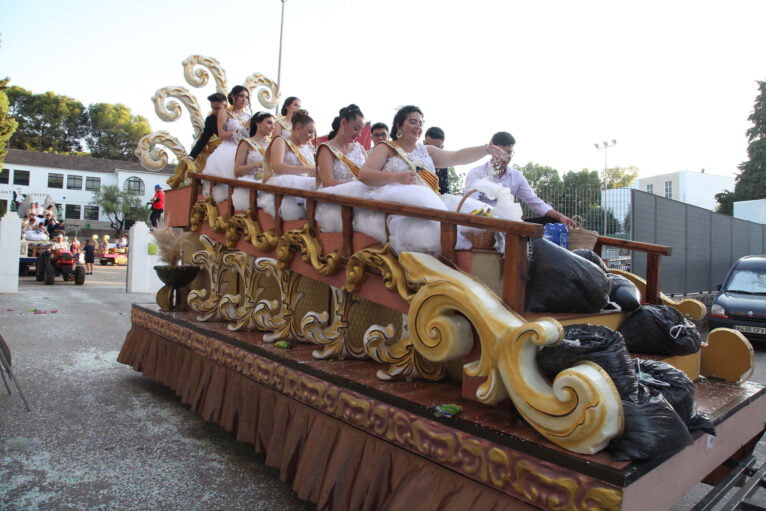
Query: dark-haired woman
(284,121)
(289,162)
(404,172)
(248,164)
(232,127)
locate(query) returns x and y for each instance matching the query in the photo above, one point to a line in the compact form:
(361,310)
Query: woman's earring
(399,133)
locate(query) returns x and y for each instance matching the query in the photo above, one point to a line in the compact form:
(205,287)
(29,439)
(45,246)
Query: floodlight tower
(605,145)
(279,65)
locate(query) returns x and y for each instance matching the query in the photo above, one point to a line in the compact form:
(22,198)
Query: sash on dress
(267,170)
(258,174)
(345,160)
(427,177)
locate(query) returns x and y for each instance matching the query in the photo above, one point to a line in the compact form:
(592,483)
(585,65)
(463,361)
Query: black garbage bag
(594,343)
(652,430)
(591,256)
(660,330)
(560,281)
(677,389)
(623,292)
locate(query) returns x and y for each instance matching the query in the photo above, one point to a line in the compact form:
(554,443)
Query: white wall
(753,210)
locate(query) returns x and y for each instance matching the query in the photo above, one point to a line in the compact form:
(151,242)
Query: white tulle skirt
(241,196)
(221,164)
(293,208)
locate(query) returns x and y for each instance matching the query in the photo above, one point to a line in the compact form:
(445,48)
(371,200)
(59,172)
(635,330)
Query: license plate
(751,329)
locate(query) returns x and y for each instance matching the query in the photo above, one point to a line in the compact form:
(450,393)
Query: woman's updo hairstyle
(301,117)
(287,103)
(349,113)
(235,91)
(257,118)
(400,117)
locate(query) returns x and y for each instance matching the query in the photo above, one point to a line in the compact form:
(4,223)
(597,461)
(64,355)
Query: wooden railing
(516,233)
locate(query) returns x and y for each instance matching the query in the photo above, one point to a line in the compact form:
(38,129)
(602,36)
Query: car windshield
(747,281)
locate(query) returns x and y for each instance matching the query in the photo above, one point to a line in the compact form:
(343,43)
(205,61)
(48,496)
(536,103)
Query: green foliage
(114,132)
(455,182)
(621,177)
(750,183)
(540,175)
(47,121)
(7,126)
(120,207)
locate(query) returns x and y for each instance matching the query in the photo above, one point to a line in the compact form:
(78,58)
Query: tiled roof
(69,162)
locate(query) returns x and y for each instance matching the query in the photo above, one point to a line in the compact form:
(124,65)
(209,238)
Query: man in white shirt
(501,172)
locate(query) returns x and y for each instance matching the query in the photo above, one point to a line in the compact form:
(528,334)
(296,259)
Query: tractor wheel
(79,276)
(40,268)
(104,262)
(50,274)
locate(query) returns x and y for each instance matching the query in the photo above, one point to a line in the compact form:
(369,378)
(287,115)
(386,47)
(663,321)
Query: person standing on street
(158,205)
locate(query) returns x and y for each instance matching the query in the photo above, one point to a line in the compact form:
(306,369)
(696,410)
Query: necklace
(261,141)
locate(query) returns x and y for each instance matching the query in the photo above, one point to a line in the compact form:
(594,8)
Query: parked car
(741,303)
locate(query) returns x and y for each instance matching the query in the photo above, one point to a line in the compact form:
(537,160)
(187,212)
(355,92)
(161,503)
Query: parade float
(377,380)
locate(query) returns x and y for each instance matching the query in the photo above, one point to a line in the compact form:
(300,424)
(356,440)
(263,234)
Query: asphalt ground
(101,436)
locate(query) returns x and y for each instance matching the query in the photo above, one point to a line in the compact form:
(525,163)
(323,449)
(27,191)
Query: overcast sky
(672,81)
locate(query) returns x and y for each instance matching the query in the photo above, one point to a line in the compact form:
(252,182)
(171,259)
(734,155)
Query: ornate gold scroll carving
(330,329)
(206,210)
(167,105)
(581,411)
(399,355)
(276,317)
(150,153)
(238,308)
(694,309)
(253,233)
(198,76)
(310,247)
(265,89)
(206,302)
(383,260)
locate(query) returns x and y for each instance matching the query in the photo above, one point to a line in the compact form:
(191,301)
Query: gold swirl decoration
(310,247)
(167,105)
(150,154)
(276,317)
(267,89)
(330,330)
(184,166)
(581,411)
(253,233)
(399,355)
(694,309)
(199,76)
(383,260)
(237,308)
(206,210)
(206,302)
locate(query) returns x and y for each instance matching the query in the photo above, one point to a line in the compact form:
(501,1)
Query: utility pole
(279,65)
(605,145)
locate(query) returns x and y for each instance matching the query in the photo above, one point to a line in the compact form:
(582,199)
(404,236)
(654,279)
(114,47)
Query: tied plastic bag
(560,281)
(677,389)
(591,256)
(623,292)
(594,343)
(660,330)
(652,430)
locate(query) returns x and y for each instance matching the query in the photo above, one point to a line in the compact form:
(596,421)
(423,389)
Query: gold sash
(427,177)
(267,170)
(345,160)
(258,174)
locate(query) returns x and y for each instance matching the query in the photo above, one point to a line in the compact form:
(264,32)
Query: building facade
(696,188)
(70,181)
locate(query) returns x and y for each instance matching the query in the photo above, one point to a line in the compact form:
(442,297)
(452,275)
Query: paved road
(101,436)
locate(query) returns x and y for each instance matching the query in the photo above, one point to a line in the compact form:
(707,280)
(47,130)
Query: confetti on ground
(286,345)
(447,410)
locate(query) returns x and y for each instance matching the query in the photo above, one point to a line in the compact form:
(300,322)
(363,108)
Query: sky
(672,81)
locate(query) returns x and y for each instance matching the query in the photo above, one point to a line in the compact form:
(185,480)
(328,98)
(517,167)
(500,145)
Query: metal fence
(705,244)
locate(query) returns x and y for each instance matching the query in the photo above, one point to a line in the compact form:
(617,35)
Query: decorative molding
(199,76)
(330,329)
(207,302)
(167,105)
(150,153)
(265,89)
(277,317)
(253,233)
(403,361)
(385,261)
(310,246)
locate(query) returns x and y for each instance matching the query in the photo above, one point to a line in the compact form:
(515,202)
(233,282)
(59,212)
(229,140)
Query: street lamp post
(605,145)
(279,65)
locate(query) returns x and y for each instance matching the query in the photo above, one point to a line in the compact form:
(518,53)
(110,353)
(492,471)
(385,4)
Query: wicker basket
(580,237)
(478,238)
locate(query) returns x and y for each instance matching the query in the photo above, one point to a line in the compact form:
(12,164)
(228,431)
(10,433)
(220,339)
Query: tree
(750,183)
(47,121)
(120,207)
(621,177)
(7,126)
(114,131)
(539,176)
(455,182)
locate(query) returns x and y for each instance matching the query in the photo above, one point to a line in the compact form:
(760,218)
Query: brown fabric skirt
(327,461)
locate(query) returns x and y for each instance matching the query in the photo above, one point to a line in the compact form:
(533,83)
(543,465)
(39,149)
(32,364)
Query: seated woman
(289,162)
(284,124)
(338,163)
(404,172)
(232,122)
(248,164)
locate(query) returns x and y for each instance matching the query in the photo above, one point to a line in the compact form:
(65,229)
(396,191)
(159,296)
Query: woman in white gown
(284,123)
(338,163)
(290,163)
(404,171)
(232,127)
(248,164)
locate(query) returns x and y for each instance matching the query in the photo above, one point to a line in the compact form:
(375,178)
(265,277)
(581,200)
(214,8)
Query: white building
(752,210)
(696,188)
(71,181)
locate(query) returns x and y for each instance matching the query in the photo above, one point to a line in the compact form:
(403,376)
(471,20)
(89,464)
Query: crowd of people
(280,150)
(41,224)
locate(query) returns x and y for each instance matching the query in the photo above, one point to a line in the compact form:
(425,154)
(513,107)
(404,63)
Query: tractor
(50,264)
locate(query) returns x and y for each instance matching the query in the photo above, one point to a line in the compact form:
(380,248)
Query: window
(668,189)
(55,180)
(93,184)
(4,175)
(91,212)
(21,177)
(649,188)
(72,212)
(134,185)
(74,182)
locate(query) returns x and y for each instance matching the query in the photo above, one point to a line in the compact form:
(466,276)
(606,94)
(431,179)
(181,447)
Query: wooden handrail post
(347,217)
(448,240)
(515,272)
(652,278)
(278,224)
